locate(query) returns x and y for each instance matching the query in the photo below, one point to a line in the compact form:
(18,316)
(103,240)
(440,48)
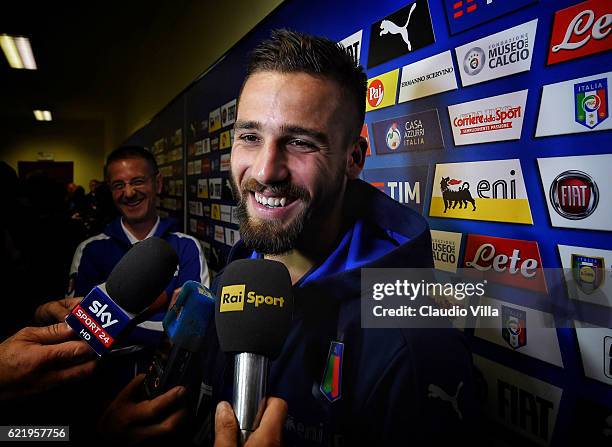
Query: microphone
(253,317)
(176,361)
(136,282)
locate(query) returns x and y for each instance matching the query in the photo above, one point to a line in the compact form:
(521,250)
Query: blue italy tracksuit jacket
(398,386)
(96,257)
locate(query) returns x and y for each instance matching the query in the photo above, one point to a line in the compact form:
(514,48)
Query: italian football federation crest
(588,272)
(591,102)
(331,385)
(514,330)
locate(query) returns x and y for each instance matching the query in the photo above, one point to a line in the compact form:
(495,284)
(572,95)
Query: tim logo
(388,27)
(404,192)
(405,185)
(376,92)
(232,298)
(460,196)
(466,7)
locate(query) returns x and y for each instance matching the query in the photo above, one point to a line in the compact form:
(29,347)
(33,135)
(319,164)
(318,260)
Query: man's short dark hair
(293,52)
(125,152)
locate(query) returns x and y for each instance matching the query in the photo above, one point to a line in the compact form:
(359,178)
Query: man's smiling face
(134,186)
(290,158)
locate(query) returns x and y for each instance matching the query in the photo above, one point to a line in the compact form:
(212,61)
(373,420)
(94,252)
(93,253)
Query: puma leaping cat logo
(436,391)
(387,26)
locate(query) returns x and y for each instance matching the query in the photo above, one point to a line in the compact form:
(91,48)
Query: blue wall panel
(340,19)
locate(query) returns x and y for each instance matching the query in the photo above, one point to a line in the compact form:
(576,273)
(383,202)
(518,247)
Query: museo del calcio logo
(498,54)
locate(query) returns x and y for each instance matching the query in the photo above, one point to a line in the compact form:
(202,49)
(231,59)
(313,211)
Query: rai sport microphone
(135,283)
(176,360)
(253,316)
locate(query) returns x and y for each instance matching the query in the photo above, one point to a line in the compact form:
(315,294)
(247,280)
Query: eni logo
(232,298)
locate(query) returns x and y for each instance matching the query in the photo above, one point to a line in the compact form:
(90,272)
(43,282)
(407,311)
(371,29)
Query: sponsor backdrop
(491,119)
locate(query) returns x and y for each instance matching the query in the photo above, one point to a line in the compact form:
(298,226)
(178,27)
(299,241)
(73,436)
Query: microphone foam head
(254,308)
(142,274)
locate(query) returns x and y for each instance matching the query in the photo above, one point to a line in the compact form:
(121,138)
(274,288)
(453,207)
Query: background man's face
(289,158)
(135,202)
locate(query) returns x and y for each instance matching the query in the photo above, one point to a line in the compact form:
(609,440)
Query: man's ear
(356,158)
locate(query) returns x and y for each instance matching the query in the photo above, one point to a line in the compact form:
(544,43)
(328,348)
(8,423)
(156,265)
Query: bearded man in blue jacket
(295,165)
(296,162)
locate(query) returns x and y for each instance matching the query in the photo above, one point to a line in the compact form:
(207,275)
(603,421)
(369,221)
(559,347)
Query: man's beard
(272,236)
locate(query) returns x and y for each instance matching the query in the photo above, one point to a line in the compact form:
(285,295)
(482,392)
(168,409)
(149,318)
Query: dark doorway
(61,171)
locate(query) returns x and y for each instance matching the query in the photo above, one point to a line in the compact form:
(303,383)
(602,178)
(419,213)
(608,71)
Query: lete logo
(516,263)
(580,30)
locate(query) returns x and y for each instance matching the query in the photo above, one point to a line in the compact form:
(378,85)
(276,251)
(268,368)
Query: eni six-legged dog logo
(460,196)
(492,190)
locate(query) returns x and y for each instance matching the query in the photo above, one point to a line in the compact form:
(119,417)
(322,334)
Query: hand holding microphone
(36,359)
(177,360)
(253,317)
(131,420)
(55,311)
(268,434)
(155,405)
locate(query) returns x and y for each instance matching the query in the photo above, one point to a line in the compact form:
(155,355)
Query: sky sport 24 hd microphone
(253,316)
(176,361)
(134,284)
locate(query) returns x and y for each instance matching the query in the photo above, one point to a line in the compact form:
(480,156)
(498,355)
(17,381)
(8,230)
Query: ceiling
(94,57)
(82,53)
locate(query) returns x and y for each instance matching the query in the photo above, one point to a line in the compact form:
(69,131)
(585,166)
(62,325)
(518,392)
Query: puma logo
(388,27)
(436,392)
